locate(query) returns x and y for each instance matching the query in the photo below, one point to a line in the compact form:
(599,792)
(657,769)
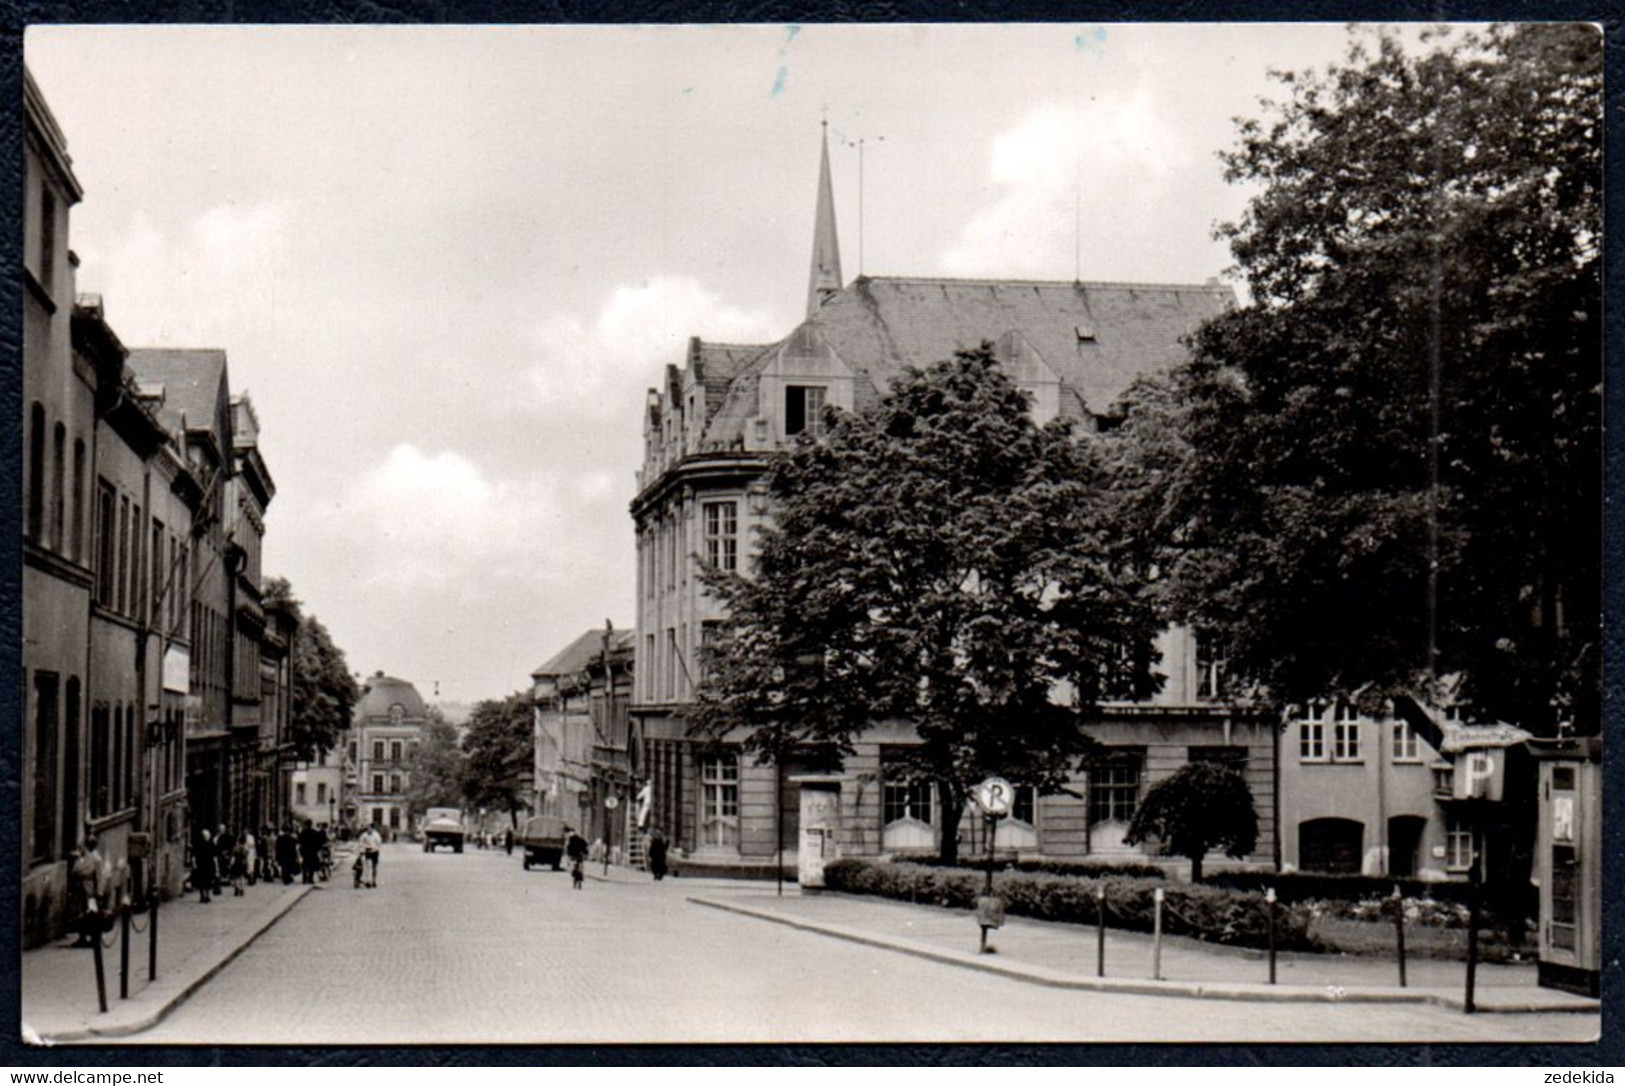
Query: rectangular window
(1025,807)
(299,793)
(394,782)
(719,802)
(138,584)
(671,662)
(1405,748)
(121,589)
(710,629)
(722,535)
(59,489)
(77,546)
(1561,928)
(803,410)
(47,720)
(1346,734)
(394,818)
(902,800)
(1114,790)
(377,750)
(106,544)
(648,663)
(395,751)
(321,791)
(157,559)
(1311,741)
(1459,844)
(377,783)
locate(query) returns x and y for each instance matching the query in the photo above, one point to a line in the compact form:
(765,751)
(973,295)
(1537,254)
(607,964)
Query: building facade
(386,729)
(585,751)
(58,396)
(1074,348)
(130,569)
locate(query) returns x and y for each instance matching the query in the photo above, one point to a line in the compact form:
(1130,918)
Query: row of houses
(1335,790)
(156,676)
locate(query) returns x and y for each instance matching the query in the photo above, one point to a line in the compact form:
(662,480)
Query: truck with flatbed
(443,826)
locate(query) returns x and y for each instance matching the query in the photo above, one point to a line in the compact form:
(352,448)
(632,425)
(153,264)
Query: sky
(447,263)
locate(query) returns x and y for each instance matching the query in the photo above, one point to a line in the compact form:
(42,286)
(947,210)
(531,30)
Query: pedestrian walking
(90,878)
(239,867)
(225,843)
(507,840)
(371,842)
(311,841)
(203,867)
(287,855)
(251,859)
(575,847)
(657,855)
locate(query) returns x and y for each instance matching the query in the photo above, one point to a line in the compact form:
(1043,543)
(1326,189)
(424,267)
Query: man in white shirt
(370,843)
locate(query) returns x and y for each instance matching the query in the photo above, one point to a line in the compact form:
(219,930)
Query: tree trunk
(1196,867)
(952,804)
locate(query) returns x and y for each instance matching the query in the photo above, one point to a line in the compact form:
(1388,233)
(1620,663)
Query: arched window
(59,486)
(36,470)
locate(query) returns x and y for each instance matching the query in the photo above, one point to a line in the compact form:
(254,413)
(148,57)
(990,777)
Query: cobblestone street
(471,948)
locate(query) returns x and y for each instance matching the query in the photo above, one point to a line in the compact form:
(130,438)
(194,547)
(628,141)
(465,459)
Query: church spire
(825,278)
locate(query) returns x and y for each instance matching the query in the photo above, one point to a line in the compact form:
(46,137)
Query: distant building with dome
(386,728)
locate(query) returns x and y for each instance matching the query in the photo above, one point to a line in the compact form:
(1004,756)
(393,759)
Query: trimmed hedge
(1203,912)
(1078,869)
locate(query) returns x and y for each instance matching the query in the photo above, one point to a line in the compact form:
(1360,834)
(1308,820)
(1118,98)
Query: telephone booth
(1568,863)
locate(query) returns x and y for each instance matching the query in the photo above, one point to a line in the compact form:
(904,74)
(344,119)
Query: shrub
(1079,868)
(1209,913)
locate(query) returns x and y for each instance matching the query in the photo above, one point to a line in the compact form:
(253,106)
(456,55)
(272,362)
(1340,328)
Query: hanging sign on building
(177,670)
(1480,774)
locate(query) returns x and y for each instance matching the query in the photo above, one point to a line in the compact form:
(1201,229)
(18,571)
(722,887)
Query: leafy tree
(1202,807)
(324,692)
(1386,469)
(437,767)
(941,560)
(501,749)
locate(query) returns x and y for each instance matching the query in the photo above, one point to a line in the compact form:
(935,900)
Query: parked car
(542,838)
(443,826)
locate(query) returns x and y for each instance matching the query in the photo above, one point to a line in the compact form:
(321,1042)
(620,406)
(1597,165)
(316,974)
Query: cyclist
(575,847)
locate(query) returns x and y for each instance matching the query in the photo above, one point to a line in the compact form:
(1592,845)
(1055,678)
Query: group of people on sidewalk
(245,858)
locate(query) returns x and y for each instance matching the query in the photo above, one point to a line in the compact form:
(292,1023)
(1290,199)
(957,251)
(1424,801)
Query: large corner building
(1075,347)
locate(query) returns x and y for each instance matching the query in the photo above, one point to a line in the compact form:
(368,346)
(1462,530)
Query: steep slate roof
(717,364)
(191,380)
(1097,337)
(584,652)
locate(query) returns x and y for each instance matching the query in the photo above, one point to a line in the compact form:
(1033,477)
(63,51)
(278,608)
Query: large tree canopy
(437,767)
(501,749)
(324,692)
(938,560)
(1386,469)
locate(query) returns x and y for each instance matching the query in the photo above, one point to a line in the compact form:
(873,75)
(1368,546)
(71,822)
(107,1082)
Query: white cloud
(436,521)
(603,366)
(1102,165)
(212,283)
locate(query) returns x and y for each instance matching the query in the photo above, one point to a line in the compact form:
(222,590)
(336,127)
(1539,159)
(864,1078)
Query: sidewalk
(1064,955)
(194,942)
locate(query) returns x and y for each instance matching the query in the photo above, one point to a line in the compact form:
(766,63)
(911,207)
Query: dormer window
(803,410)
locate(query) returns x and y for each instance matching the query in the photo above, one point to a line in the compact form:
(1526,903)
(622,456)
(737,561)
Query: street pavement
(470,948)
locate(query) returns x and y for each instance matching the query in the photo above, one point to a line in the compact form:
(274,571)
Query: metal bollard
(1399,931)
(152,938)
(124,949)
(1100,930)
(1269,900)
(1474,878)
(1156,935)
(96,953)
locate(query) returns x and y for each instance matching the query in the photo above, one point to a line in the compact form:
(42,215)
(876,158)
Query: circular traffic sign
(995,796)
(611,802)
